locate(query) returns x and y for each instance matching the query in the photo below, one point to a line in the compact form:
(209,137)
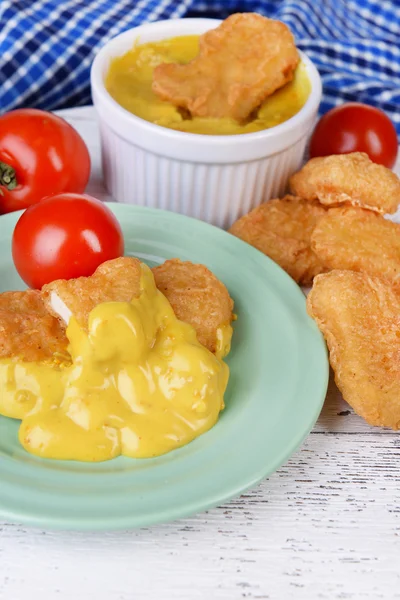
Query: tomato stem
(8,177)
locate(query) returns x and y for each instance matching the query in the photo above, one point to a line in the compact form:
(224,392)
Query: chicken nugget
(348,179)
(359,316)
(282,230)
(197,297)
(358,240)
(28,331)
(240,63)
(115,280)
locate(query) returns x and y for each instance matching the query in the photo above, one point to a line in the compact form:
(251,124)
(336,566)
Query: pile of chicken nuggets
(332,234)
(33,323)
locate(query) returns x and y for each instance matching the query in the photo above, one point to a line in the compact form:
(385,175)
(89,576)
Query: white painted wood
(325,526)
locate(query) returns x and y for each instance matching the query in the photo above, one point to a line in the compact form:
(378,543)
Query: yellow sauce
(138,384)
(129,81)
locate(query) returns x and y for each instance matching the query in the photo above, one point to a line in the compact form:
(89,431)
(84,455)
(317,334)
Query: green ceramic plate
(279,375)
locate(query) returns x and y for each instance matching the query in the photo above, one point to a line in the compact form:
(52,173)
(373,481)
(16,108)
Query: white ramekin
(213,178)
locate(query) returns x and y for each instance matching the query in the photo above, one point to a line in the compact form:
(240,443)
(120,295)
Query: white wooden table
(326,525)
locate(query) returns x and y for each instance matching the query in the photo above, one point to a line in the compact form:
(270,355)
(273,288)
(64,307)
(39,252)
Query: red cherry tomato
(40,154)
(355,127)
(64,236)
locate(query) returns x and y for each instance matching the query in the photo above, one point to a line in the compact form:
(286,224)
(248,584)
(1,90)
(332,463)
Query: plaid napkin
(47,46)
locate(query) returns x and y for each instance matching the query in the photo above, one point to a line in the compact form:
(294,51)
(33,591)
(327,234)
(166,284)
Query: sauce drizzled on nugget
(135,379)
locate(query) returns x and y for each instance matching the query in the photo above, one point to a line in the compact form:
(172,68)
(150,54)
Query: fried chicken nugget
(27,330)
(115,280)
(240,63)
(358,240)
(348,179)
(359,316)
(282,230)
(197,297)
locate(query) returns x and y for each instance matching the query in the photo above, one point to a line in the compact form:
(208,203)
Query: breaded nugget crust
(359,316)
(197,297)
(348,179)
(282,230)
(27,330)
(114,280)
(240,63)
(358,240)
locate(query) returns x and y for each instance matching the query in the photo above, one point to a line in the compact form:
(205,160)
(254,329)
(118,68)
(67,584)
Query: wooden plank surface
(325,526)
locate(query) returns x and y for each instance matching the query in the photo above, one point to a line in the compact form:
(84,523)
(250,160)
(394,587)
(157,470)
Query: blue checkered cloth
(47,46)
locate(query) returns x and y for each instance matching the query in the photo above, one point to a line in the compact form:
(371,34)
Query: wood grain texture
(325,526)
